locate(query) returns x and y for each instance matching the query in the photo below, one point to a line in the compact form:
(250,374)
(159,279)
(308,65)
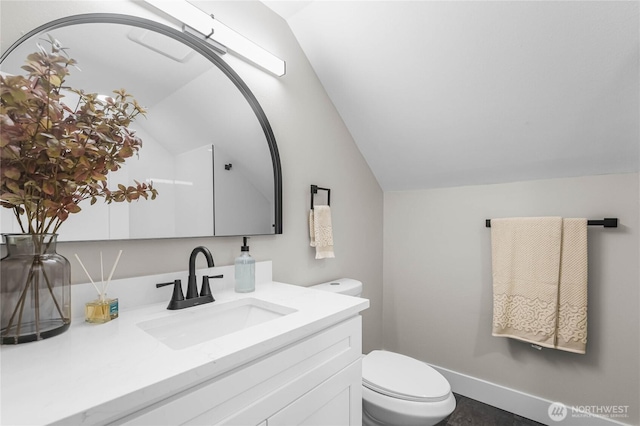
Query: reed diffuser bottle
(102,309)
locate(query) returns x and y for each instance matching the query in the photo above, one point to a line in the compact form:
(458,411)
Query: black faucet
(178,301)
(192,289)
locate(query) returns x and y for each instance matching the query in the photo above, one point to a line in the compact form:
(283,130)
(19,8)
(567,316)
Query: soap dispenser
(245,268)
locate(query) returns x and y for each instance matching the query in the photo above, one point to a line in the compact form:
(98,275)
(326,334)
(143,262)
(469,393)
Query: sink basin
(207,322)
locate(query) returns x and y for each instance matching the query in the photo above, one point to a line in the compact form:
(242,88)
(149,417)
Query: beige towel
(321,231)
(572,294)
(539,281)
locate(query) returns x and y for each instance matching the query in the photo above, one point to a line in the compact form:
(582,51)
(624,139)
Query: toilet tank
(347,286)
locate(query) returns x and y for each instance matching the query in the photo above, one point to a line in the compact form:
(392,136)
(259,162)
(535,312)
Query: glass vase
(35,289)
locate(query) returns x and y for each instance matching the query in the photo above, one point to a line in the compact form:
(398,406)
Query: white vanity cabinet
(302,366)
(315,380)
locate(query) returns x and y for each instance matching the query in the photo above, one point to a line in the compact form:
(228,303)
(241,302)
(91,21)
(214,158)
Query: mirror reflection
(204,147)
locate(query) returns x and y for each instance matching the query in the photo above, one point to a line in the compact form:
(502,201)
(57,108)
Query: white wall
(315,148)
(438,287)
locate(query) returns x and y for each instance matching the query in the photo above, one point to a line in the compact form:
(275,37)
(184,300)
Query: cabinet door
(337,401)
(259,389)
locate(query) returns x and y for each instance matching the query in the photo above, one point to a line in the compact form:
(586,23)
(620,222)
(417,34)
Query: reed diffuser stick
(112,271)
(102,276)
(88,276)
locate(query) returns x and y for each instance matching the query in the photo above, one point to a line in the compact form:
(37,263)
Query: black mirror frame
(198,46)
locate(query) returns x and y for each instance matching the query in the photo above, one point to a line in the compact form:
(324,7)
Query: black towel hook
(314,190)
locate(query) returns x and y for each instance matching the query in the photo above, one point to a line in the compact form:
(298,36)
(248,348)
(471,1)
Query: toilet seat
(404,378)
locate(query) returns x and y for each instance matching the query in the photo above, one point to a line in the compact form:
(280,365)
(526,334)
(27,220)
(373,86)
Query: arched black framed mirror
(207,144)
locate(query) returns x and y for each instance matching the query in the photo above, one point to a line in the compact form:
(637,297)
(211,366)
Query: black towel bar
(314,190)
(610,222)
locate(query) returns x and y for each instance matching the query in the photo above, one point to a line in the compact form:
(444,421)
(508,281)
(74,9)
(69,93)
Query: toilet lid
(402,377)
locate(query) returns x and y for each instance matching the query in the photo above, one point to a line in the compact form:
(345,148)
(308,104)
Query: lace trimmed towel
(540,281)
(321,231)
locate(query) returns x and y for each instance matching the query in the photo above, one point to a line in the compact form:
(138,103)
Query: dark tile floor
(470,412)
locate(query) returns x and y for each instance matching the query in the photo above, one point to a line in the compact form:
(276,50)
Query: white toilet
(397,389)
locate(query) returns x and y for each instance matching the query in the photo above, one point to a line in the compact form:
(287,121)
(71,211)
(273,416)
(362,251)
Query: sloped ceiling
(452,93)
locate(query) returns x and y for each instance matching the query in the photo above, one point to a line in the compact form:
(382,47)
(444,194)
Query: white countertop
(93,374)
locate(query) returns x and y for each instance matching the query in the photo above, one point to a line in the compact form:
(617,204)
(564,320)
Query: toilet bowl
(397,389)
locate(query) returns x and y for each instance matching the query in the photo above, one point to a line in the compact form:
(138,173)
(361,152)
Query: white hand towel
(321,231)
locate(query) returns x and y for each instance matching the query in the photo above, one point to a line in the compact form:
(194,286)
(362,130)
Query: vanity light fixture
(169,181)
(218,35)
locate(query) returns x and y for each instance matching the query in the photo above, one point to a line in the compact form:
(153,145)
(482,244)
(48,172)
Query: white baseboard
(522,404)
